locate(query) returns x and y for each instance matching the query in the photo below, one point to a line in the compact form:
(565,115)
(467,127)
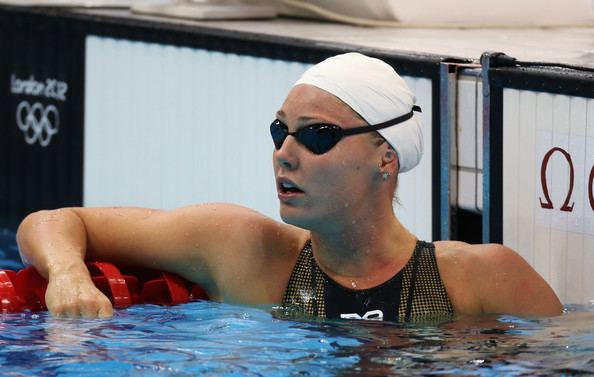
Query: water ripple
(211,339)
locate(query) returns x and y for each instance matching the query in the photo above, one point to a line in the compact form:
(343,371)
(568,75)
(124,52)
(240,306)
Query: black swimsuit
(415,292)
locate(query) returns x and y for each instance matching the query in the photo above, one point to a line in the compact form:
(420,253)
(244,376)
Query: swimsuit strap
(413,279)
(305,290)
(423,290)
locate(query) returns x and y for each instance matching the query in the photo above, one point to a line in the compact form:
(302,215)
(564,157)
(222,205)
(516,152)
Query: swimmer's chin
(287,219)
(297,221)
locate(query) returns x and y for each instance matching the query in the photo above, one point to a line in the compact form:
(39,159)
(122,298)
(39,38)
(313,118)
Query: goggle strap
(375,127)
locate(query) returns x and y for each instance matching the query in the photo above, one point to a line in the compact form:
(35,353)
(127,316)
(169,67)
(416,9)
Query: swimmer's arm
(54,242)
(182,241)
(59,241)
(507,284)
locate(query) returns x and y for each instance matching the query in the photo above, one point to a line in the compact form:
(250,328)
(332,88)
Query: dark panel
(507,72)
(495,167)
(41,116)
(469,226)
(492,226)
(436,147)
(550,80)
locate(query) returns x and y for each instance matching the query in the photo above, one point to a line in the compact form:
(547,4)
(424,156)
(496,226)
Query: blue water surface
(200,338)
(213,339)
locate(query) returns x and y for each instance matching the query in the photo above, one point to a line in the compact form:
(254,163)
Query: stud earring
(385,175)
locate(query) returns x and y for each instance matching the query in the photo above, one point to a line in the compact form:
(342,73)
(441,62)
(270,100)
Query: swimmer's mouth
(287,187)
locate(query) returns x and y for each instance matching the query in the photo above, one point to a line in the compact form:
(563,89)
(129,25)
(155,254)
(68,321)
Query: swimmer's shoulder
(464,267)
(458,252)
(456,261)
(455,254)
(235,223)
(492,278)
(263,252)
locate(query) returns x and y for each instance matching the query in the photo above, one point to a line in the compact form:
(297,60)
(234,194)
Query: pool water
(9,252)
(212,339)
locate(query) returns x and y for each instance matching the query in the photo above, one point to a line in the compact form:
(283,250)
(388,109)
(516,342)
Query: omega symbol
(548,204)
(566,207)
(591,188)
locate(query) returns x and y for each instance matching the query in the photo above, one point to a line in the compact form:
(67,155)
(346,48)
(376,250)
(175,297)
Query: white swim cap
(377,93)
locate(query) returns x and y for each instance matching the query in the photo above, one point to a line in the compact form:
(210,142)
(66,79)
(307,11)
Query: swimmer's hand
(76,297)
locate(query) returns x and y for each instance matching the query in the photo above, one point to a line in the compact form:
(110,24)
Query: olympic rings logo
(37,122)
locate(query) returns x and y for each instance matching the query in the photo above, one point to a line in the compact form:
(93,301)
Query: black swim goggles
(319,138)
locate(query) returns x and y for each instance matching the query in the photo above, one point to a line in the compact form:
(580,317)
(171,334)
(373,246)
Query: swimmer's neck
(364,256)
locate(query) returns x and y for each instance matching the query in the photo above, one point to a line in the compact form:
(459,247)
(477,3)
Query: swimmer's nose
(286,155)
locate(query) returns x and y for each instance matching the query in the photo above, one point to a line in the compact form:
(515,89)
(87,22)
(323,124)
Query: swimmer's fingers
(77,300)
(105,311)
(95,305)
(87,305)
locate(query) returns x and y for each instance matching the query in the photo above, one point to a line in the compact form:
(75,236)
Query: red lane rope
(25,289)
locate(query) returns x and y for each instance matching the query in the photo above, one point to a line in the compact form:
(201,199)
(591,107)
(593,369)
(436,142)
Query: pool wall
(42,115)
(521,154)
(140,111)
(542,172)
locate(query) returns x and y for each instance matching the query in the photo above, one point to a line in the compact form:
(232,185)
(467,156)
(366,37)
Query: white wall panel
(556,241)
(416,186)
(469,136)
(588,261)
(511,104)
(542,227)
(525,111)
(169,126)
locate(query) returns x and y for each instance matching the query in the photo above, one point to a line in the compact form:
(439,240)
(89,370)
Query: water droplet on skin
(51,217)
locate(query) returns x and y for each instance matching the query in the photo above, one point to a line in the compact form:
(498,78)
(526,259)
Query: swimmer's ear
(390,162)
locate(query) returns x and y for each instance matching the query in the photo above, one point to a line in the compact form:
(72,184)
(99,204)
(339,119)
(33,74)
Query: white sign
(565,182)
